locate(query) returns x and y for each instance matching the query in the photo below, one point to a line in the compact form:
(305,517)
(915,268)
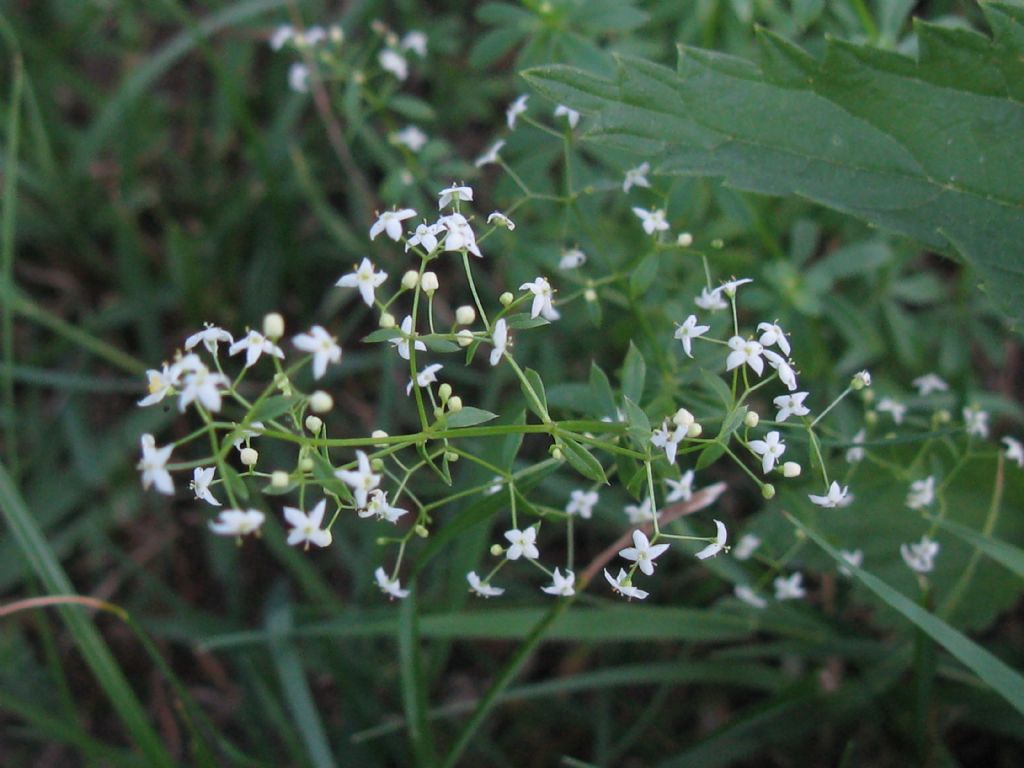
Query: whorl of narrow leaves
(932,148)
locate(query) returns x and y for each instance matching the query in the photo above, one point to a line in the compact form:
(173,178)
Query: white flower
(622,585)
(1014,450)
(636,177)
(573,258)
(497,483)
(414,41)
(896,409)
(929,383)
(425,236)
(668,439)
(652,221)
(581,503)
(401,343)
(482,588)
(322,346)
(499,219)
(377,506)
(745,351)
(364,277)
(791,588)
(746,546)
(770,450)
(499,336)
(643,553)
(254,345)
(856,452)
(298,77)
(681,489)
(159,384)
(729,288)
(773,335)
(542,295)
(835,497)
(199,384)
(306,527)
(210,336)
(640,513)
(390,223)
(790,405)
(389,586)
(561,585)
(515,109)
(243,436)
(454,193)
(522,544)
(852,557)
(749,596)
(411,137)
(922,493)
(710,300)
(786,373)
(425,378)
(491,155)
(153,466)
(717,545)
(361,481)
(201,479)
(237,522)
(282,35)
(976,421)
(920,557)
(310,36)
(392,61)
(460,234)
(689,331)
(571,115)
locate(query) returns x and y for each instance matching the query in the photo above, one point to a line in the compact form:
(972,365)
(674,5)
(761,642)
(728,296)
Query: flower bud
(943,416)
(590,295)
(751,419)
(320,402)
(451,456)
(465,315)
(377,464)
(694,430)
(718,243)
(410,279)
(871,418)
(306,464)
(377,434)
(273,326)
(464,337)
(497,550)
(314,424)
(279,479)
(421,531)
(861,380)
(454,404)
(249,456)
(768,490)
(791,469)
(438,411)
(444,392)
(506,298)
(556,453)
(429,283)
(387,320)
(685,239)
(337,34)
(683,418)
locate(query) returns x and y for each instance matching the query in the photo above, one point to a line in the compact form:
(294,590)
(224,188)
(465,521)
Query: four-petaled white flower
(689,331)
(1014,450)
(522,544)
(401,343)
(581,503)
(749,596)
(770,450)
(853,558)
(482,588)
(976,421)
(377,506)
(306,527)
(636,177)
(515,109)
(361,481)
(411,137)
(773,335)
(491,155)
(237,522)
(681,489)
(390,223)
(922,493)
(786,373)
(389,586)
(622,585)
(745,351)
(643,553)
(920,557)
(746,546)
(159,384)
(835,497)
(652,221)
(893,407)
(365,278)
(856,452)
(255,344)
(414,41)
(717,545)
(392,61)
(242,436)
(640,513)
(425,236)
(929,383)
(571,115)
(153,466)
(460,234)
(573,258)
(790,405)
(424,378)
(710,300)
(561,585)
(791,588)
(201,479)
(210,336)
(199,384)
(499,337)
(668,438)
(454,193)
(322,346)
(729,287)
(542,295)
(499,219)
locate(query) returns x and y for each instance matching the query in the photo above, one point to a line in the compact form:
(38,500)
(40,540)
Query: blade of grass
(9,222)
(413,694)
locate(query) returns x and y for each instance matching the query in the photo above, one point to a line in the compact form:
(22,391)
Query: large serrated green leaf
(932,148)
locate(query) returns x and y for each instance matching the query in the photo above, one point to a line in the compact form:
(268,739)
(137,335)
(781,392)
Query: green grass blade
(413,695)
(1007,555)
(9,222)
(92,646)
